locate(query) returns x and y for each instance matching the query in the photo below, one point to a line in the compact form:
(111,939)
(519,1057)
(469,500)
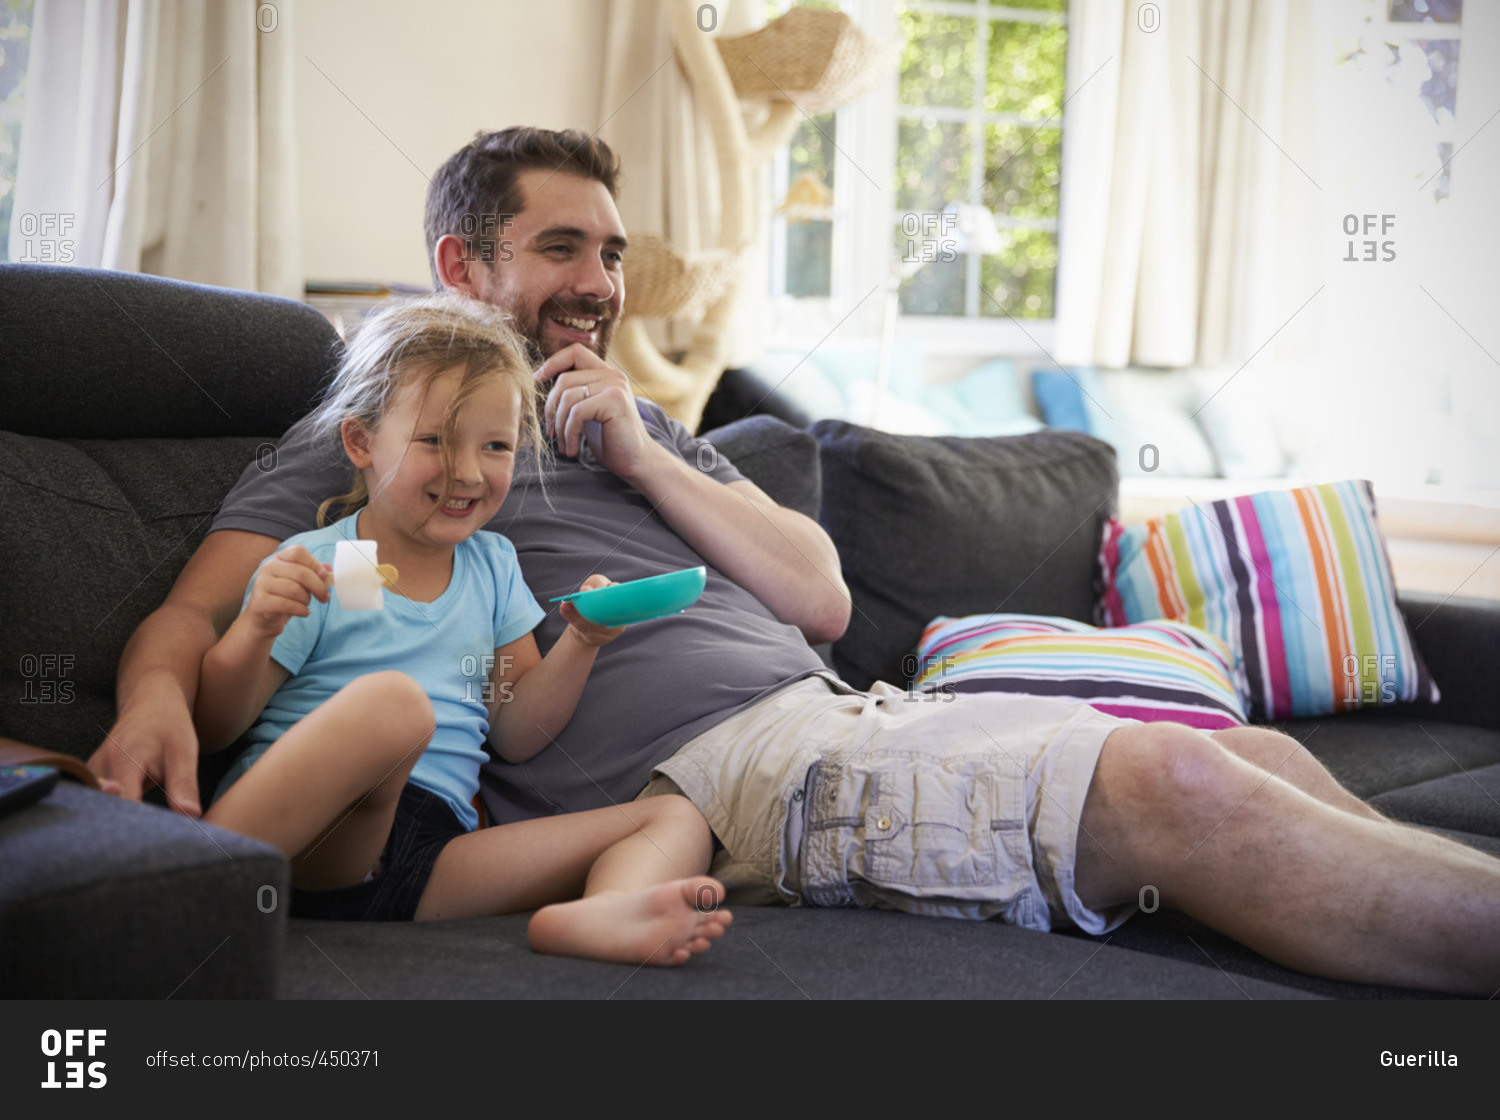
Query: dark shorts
(423,825)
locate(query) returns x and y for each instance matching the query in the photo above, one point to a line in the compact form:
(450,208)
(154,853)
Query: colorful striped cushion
(1296,582)
(1154,671)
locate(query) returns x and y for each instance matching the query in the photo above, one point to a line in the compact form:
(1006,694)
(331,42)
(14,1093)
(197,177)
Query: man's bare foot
(663,925)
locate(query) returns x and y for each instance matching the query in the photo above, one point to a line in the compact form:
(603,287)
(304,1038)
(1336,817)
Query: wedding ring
(585,392)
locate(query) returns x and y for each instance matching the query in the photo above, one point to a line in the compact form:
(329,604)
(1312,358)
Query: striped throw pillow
(1297,582)
(1153,671)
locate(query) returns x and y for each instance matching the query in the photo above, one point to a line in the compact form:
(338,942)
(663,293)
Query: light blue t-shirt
(447,646)
(652,689)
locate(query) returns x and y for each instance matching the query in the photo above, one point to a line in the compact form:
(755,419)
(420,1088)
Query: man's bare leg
(1285,757)
(1314,887)
(1282,755)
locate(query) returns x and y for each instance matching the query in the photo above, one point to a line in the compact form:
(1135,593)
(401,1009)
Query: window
(978,118)
(802,249)
(974,117)
(15,41)
(802,265)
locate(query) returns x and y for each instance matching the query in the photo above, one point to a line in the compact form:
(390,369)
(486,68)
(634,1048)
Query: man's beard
(531,331)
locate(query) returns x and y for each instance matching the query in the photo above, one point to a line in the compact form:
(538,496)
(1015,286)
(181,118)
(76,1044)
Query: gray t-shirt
(652,689)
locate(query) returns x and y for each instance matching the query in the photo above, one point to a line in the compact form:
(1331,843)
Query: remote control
(21,785)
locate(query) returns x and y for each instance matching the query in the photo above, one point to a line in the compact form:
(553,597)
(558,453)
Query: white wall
(387,90)
(1408,380)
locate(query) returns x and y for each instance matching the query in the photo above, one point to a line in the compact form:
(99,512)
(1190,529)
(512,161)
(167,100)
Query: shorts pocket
(911,823)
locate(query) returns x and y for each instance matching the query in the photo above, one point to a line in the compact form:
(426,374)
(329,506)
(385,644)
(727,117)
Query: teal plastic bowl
(639,600)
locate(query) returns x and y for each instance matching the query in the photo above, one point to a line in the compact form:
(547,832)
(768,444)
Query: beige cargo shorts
(959,805)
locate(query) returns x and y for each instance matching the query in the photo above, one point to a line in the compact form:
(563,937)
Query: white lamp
(808,199)
(963,227)
(974,229)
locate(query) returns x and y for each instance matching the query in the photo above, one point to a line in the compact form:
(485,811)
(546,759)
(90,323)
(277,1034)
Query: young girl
(369,727)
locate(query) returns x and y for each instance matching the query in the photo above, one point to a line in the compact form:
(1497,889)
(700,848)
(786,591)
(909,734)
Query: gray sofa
(132,404)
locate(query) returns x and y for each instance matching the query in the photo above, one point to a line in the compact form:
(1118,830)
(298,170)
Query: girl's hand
(282,589)
(590,633)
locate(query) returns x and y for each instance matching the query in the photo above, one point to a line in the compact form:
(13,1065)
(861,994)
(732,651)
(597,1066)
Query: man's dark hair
(475,190)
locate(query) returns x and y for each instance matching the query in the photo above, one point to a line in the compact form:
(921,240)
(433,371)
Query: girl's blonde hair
(412,343)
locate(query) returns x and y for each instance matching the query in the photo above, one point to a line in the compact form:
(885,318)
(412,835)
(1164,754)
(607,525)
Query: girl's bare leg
(638,865)
(664,925)
(325,792)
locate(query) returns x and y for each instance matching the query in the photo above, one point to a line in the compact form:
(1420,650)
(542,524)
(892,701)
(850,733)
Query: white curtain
(1189,194)
(164,129)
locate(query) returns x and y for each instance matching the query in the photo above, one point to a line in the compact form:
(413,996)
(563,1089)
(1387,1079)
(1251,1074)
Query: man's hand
(784,559)
(584,390)
(152,743)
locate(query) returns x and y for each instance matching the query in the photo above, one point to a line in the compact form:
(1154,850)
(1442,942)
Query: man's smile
(587,326)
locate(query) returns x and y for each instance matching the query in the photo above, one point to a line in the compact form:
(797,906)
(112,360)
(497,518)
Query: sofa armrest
(1459,639)
(105,898)
(744,392)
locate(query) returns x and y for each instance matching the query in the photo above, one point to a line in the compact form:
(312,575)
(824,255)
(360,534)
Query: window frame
(865,218)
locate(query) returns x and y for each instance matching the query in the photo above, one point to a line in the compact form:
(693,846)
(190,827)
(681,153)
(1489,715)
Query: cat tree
(805,62)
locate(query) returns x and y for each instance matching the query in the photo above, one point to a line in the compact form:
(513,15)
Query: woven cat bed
(664,284)
(814,57)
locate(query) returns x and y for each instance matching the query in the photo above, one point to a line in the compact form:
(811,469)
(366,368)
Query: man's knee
(1167,767)
(1257,742)
(1158,790)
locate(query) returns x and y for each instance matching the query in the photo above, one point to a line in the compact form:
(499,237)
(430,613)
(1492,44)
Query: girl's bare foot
(663,925)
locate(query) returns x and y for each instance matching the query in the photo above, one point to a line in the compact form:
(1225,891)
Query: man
(1037,811)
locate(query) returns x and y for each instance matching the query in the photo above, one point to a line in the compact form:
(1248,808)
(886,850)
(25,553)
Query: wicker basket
(663,284)
(814,57)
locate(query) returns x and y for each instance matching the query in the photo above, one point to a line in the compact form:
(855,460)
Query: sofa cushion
(780,459)
(97,532)
(125,355)
(1468,801)
(1296,581)
(772,952)
(1381,750)
(1150,671)
(949,525)
(158,394)
(1459,637)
